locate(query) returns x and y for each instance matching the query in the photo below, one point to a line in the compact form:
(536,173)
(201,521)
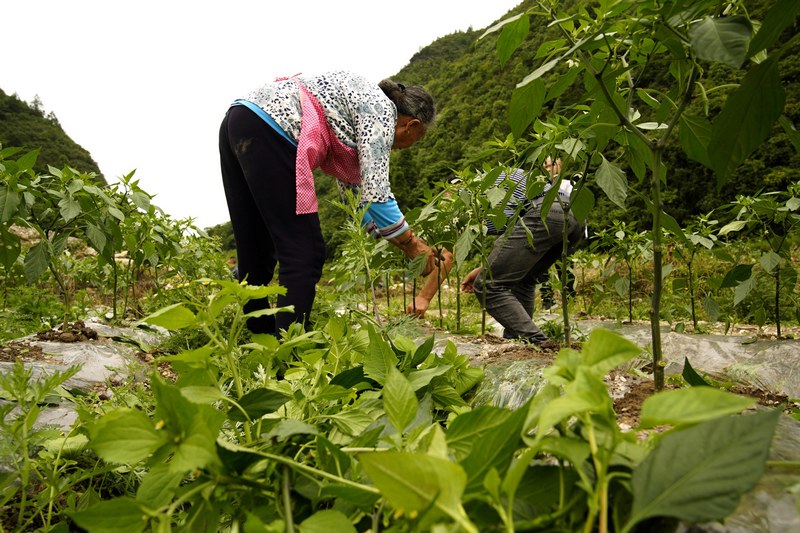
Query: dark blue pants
(514,267)
(258,173)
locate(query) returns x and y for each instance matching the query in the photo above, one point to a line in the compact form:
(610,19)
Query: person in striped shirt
(515,264)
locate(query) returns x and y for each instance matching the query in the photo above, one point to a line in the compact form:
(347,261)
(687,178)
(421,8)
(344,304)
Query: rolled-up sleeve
(384,219)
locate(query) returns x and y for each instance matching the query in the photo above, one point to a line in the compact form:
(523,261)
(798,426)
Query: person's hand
(412,246)
(418,306)
(468,283)
(431,286)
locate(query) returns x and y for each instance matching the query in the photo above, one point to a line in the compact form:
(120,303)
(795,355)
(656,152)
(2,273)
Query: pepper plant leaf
(125,436)
(612,180)
(690,406)
(173,317)
(698,474)
(512,35)
(413,481)
(780,16)
(747,119)
(399,400)
(120,515)
(722,39)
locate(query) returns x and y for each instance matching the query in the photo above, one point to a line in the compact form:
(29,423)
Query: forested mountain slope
(473,92)
(25,126)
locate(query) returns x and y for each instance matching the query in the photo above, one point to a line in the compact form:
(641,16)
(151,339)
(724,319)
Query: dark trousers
(514,267)
(258,173)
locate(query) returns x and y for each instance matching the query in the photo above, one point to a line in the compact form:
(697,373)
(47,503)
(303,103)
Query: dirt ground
(627,403)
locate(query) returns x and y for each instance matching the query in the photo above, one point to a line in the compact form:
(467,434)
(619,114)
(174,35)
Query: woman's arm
(431,286)
(412,246)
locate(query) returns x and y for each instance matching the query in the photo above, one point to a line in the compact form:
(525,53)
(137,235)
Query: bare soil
(628,406)
(637,389)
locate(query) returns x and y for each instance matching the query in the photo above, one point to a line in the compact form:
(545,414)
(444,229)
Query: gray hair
(412,100)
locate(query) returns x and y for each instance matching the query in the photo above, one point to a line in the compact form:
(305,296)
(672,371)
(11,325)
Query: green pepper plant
(775,217)
(611,47)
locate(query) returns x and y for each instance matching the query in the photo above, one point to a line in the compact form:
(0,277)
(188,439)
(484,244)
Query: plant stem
(655,303)
(777,299)
(691,290)
(287,501)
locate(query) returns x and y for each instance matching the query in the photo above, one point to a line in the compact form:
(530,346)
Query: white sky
(144,84)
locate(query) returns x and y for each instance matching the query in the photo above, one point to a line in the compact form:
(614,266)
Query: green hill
(473,92)
(24,125)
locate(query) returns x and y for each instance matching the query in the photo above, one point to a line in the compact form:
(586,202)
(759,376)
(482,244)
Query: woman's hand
(468,283)
(418,306)
(412,246)
(431,285)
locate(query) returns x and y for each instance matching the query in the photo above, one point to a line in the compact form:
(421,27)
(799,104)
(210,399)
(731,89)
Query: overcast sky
(144,85)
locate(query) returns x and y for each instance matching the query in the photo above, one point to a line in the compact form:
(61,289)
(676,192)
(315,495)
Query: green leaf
(327,522)
(10,248)
(723,39)
(769,260)
(172,317)
(413,482)
(712,308)
(735,225)
(612,180)
(422,378)
(125,436)
(349,378)
(158,486)
(499,25)
(690,406)
(120,515)
(690,376)
(27,161)
(780,16)
(257,403)
(379,358)
(422,352)
(463,246)
(526,103)
(468,428)
(582,204)
(97,238)
(192,428)
(287,428)
(585,394)
(699,474)
(203,394)
(399,400)
(747,119)
(494,450)
(562,84)
(791,132)
(606,350)
(511,37)
(539,72)
(669,223)
(9,202)
(141,200)
(743,289)
(736,275)
(69,208)
(694,136)
(352,422)
(36,260)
